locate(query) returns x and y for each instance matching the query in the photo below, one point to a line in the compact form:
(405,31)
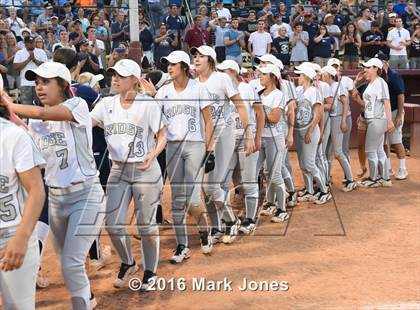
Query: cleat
(385,183)
(181,253)
(231,231)
(124,273)
(349,186)
(104,259)
(247,227)
(268,209)
(149,280)
(215,236)
(368,182)
(205,240)
(402,174)
(292,199)
(323,198)
(280,216)
(93,302)
(306,197)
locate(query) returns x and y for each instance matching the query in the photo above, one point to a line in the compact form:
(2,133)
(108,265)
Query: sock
(402,164)
(83,293)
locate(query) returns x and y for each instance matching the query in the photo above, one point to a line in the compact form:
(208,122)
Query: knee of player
(148,230)
(250,190)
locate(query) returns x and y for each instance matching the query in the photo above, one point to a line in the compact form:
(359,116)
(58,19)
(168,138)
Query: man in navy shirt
(396,95)
(119,29)
(175,22)
(311,28)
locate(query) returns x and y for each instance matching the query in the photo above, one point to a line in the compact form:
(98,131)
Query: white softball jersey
(305,101)
(348,85)
(183,110)
(129,133)
(256,85)
(18,154)
(374,96)
(221,89)
(250,97)
(338,91)
(272,101)
(66,146)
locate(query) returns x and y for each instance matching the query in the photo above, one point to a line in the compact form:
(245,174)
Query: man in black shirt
(88,61)
(372,41)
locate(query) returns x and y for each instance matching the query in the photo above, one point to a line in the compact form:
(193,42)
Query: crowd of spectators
(239,30)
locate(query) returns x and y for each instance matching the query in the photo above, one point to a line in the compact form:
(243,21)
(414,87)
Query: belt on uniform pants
(74,187)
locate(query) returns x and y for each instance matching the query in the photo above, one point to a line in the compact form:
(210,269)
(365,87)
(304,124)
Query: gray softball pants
(306,155)
(215,185)
(346,138)
(126,181)
(75,219)
(246,167)
(272,153)
(322,162)
(374,148)
(185,173)
(337,140)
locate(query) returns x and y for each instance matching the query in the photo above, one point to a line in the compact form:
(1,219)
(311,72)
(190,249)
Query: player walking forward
(221,90)
(131,120)
(246,165)
(185,104)
(21,199)
(76,198)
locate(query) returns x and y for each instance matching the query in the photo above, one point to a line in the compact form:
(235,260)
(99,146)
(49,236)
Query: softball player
(186,104)
(273,142)
(379,120)
(247,165)
(307,132)
(75,195)
(349,86)
(338,117)
(131,120)
(221,90)
(21,198)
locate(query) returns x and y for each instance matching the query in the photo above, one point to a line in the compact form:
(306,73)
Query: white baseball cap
(270,68)
(333,61)
(330,70)
(373,62)
(95,79)
(176,57)
(49,70)
(328,16)
(126,67)
(229,64)
(23,30)
(311,65)
(204,50)
(272,59)
(306,70)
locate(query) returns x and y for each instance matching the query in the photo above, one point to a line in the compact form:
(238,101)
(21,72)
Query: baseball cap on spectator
(67,4)
(77,21)
(126,68)
(383,57)
(270,58)
(84,42)
(269,68)
(229,64)
(49,70)
(306,70)
(307,14)
(330,70)
(328,16)
(24,30)
(54,17)
(176,57)
(373,62)
(48,6)
(204,50)
(392,15)
(333,61)
(29,39)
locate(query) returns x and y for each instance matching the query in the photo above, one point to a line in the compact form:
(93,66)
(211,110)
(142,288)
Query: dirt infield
(361,252)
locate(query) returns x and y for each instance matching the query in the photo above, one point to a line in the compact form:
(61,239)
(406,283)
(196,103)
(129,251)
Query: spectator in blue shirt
(400,7)
(37,7)
(174,21)
(119,29)
(324,46)
(234,42)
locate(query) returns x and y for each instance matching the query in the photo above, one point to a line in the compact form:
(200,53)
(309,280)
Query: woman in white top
(377,110)
(75,195)
(307,132)
(221,91)
(246,165)
(338,117)
(130,121)
(186,106)
(21,199)
(273,148)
